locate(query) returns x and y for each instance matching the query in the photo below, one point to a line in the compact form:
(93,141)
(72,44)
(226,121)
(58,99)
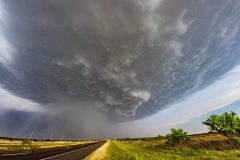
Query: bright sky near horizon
(221,96)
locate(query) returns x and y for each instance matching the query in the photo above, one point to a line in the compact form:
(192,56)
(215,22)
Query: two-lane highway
(66,153)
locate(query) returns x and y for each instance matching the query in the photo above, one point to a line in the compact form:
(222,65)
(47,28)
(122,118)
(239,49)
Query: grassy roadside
(156,150)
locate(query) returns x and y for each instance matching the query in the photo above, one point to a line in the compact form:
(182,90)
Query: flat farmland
(16,145)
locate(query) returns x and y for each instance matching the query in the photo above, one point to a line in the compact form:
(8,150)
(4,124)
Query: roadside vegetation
(158,150)
(177,136)
(15,144)
(227,124)
(222,142)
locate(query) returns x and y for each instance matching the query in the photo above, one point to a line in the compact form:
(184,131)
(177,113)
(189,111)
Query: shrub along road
(64,153)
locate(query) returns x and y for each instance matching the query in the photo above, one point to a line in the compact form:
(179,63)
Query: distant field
(11,145)
(202,146)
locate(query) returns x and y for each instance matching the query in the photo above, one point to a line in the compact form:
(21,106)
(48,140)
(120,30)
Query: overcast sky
(106,68)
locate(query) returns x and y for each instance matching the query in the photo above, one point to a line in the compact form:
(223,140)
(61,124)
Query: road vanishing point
(75,152)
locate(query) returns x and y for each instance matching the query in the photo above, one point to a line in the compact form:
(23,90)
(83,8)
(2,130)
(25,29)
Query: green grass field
(203,148)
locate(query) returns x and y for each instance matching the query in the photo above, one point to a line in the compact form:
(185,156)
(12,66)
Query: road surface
(66,153)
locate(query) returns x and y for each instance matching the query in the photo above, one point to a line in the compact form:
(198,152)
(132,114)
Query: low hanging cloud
(129,59)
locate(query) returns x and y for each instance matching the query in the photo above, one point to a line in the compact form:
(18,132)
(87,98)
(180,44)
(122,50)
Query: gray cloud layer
(130,58)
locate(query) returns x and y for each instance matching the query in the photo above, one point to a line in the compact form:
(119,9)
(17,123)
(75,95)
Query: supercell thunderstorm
(129,58)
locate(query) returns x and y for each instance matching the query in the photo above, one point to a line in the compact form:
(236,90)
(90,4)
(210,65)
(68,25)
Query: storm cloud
(129,59)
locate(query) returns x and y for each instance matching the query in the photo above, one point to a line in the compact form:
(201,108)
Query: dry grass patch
(99,154)
(51,144)
(10,145)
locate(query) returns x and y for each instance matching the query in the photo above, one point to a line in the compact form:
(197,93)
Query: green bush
(177,136)
(236,140)
(159,137)
(26,143)
(227,124)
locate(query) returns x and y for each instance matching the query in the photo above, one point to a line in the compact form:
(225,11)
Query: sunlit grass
(16,144)
(99,154)
(199,148)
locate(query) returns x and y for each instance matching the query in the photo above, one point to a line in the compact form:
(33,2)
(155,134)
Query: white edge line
(12,154)
(67,152)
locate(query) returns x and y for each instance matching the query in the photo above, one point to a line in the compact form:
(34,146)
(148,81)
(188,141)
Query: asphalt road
(66,153)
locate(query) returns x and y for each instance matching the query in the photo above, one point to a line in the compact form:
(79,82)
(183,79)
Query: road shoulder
(98,154)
